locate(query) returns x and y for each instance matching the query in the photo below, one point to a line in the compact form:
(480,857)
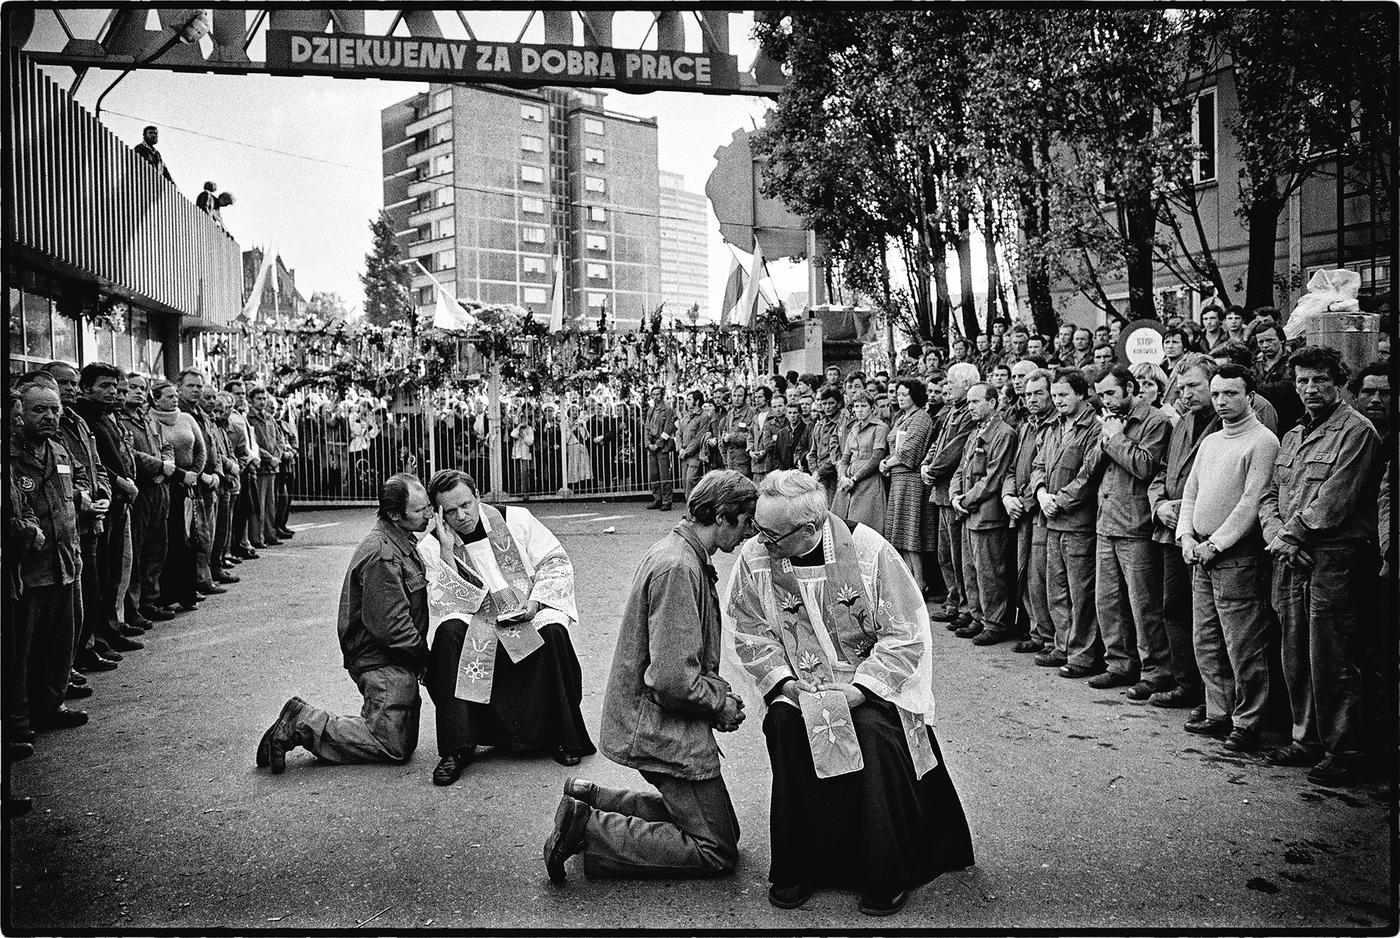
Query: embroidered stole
(844,631)
(477,666)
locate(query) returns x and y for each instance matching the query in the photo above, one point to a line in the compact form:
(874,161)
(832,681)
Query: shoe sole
(563,818)
(883,911)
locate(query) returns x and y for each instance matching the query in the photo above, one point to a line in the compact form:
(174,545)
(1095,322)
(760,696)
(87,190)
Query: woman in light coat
(860,488)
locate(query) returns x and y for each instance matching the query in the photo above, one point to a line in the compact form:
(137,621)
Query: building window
(597,271)
(532,235)
(531,144)
(596,242)
(1203,135)
(592,155)
(597,300)
(441,164)
(530,112)
(536,295)
(592,126)
(532,264)
(444,260)
(442,100)
(425,296)
(531,173)
(594,183)
(532,205)
(444,195)
(445,228)
(597,213)
(441,133)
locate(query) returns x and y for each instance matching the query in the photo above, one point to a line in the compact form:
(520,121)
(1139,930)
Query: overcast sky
(302,155)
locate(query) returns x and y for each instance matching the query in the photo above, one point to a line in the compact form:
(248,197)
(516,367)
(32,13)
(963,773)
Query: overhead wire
(555,201)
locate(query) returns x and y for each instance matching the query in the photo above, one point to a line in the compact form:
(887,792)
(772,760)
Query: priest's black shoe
(582,790)
(790,897)
(451,767)
(65,717)
(565,758)
(883,903)
(570,823)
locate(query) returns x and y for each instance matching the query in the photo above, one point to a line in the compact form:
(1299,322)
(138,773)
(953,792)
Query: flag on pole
(448,314)
(748,304)
(254,301)
(733,289)
(556,296)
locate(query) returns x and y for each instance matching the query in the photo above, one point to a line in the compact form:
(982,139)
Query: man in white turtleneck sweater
(1220,538)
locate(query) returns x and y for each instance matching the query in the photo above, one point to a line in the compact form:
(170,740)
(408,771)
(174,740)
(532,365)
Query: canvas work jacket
(48,480)
(1064,467)
(664,689)
(384,604)
(1129,462)
(1326,481)
(987,461)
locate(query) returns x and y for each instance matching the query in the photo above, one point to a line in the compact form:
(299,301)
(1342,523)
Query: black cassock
(534,703)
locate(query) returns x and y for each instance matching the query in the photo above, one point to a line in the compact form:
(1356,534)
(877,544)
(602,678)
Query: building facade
(105,260)
(684,219)
(1332,220)
(493,189)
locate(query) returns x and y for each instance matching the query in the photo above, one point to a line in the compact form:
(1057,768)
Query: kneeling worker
(664,699)
(383,627)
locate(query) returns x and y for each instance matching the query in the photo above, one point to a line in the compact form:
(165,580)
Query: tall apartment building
(489,187)
(685,254)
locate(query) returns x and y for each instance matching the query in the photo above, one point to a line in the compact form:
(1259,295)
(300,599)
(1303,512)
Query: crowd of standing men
(127,501)
(1181,531)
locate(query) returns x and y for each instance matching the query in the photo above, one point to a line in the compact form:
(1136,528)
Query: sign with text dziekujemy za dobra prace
(427,59)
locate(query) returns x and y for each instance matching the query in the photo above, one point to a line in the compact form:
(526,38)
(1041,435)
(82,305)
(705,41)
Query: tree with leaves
(387,281)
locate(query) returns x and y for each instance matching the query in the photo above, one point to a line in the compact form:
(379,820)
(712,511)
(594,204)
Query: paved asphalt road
(1086,810)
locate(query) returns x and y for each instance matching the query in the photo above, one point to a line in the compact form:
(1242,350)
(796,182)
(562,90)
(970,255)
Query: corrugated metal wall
(81,196)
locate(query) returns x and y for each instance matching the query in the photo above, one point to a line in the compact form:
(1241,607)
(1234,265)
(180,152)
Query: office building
(685,255)
(489,188)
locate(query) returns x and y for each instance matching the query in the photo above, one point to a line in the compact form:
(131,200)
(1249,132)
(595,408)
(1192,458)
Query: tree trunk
(943,307)
(1142,225)
(972,327)
(989,237)
(1262,221)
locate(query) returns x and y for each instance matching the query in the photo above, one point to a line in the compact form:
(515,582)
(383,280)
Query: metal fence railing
(347,446)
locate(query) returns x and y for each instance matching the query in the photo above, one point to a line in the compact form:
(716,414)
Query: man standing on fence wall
(660,443)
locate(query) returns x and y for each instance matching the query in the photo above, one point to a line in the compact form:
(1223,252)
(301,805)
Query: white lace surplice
(900,666)
(546,565)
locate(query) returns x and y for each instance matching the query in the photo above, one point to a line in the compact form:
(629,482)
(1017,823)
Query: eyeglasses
(776,539)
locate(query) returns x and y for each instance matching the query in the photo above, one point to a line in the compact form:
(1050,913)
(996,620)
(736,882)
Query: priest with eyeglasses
(829,625)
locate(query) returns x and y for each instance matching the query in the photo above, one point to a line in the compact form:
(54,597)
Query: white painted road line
(312,527)
(610,518)
(584,514)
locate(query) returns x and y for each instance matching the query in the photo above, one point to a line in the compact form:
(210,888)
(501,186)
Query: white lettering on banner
(373,55)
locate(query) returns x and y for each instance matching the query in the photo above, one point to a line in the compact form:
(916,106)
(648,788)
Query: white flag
(733,289)
(254,301)
(748,304)
(448,314)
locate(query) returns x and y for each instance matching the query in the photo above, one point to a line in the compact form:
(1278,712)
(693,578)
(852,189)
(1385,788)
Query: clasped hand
(730,715)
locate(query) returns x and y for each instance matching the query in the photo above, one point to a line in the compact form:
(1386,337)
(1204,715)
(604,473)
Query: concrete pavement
(1087,811)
